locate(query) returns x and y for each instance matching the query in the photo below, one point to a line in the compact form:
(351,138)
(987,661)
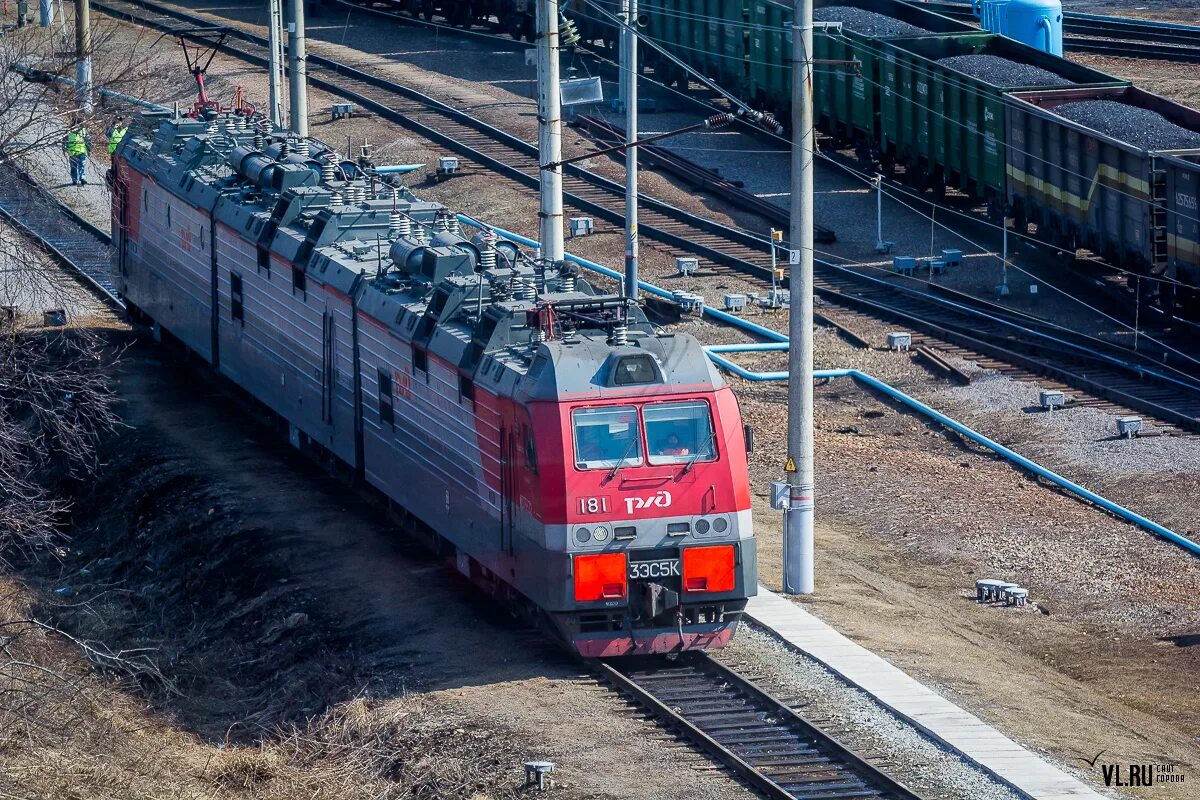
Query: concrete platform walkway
(958,730)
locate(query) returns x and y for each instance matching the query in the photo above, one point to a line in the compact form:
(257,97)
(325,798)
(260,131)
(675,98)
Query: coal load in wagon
(1001,72)
(1140,127)
(867,23)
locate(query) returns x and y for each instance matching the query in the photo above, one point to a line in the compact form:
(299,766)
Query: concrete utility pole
(275,63)
(298,69)
(83,55)
(798,518)
(629,76)
(549,132)
(46,13)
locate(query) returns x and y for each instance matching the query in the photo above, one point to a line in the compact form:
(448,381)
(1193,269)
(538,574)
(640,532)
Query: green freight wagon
(1085,188)
(846,96)
(708,35)
(948,128)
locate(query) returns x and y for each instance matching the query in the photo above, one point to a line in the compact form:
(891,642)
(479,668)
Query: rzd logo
(660,499)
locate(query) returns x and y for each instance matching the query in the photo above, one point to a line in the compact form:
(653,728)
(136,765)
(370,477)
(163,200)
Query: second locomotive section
(570,458)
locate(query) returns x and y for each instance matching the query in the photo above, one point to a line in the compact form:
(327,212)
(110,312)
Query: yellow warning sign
(790,466)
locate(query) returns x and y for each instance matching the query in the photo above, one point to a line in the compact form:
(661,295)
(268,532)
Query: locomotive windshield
(679,433)
(611,437)
(607,437)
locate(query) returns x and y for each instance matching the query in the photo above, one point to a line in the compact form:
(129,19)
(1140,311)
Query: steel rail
(760,738)
(69,238)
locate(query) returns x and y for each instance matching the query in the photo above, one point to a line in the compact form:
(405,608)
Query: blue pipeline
(779,342)
(397,169)
(916,405)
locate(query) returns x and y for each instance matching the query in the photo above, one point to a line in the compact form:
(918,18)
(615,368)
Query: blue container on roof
(1037,23)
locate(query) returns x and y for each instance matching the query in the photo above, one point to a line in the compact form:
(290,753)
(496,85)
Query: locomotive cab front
(653,508)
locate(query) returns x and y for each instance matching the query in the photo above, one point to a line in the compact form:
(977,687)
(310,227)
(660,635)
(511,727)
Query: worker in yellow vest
(116,133)
(77,144)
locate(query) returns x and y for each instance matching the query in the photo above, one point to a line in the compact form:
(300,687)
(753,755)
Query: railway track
(949,321)
(761,739)
(71,239)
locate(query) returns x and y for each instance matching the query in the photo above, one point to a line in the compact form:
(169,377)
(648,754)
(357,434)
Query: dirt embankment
(221,674)
(279,638)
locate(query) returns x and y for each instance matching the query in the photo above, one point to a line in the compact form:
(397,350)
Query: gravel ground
(858,720)
(1080,435)
(866,22)
(1001,72)
(1140,126)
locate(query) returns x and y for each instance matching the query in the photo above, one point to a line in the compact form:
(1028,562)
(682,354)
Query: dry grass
(69,733)
(172,661)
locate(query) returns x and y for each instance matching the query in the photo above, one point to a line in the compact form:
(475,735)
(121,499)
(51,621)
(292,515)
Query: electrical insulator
(568,32)
(719,121)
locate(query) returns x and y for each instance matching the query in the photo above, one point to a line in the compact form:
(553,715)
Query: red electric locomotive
(568,456)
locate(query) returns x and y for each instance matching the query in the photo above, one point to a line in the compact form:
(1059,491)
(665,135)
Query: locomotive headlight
(582,535)
(720,525)
(600,534)
(702,526)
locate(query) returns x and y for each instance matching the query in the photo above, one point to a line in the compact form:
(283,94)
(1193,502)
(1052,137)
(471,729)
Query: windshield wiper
(621,463)
(703,451)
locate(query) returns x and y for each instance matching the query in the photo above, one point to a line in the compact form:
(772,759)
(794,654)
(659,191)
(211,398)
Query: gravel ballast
(868,23)
(924,765)
(1142,127)
(1001,72)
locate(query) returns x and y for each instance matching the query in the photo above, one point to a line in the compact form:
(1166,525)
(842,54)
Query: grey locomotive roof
(583,368)
(473,303)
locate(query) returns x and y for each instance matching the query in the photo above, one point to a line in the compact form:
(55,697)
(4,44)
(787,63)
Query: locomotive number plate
(662,568)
